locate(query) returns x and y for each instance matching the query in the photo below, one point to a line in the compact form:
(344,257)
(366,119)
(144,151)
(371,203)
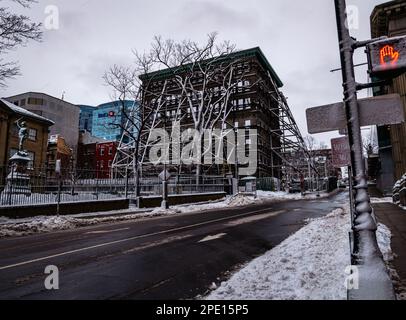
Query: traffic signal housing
(387,57)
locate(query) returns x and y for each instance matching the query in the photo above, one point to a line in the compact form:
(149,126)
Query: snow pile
(384,236)
(381,200)
(310,265)
(282,196)
(43,224)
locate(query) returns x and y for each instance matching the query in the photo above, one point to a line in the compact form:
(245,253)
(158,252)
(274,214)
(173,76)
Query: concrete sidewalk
(394,218)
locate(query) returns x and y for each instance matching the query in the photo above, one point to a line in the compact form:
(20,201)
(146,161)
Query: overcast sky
(299,39)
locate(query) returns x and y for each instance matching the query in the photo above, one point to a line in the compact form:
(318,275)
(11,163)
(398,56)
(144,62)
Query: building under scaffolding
(256,103)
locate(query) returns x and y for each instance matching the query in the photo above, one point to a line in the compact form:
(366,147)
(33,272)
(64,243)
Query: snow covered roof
(23,112)
(253,52)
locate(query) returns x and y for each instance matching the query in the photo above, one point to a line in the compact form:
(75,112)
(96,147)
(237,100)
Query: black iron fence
(40,186)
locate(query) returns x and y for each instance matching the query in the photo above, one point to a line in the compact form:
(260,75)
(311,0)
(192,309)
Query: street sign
(164,175)
(380,110)
(387,55)
(341,154)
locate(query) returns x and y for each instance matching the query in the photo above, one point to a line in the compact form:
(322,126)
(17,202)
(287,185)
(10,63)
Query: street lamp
(236,173)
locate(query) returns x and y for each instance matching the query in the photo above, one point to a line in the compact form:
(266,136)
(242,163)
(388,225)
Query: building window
(248,123)
(110,163)
(36,101)
(32,134)
(110,151)
(22,102)
(102,151)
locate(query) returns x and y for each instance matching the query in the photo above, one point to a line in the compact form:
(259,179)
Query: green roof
(254,52)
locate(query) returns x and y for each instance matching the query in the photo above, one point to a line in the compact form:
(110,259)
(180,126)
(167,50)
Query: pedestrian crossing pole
(365,247)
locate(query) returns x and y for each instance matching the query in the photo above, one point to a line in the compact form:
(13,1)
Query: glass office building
(86,118)
(108,120)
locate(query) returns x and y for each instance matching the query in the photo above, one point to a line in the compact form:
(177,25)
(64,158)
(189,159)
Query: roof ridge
(24,112)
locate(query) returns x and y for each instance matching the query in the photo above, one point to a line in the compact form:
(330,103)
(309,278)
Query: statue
(22,134)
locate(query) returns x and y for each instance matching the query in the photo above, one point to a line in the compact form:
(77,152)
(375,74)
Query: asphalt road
(176,257)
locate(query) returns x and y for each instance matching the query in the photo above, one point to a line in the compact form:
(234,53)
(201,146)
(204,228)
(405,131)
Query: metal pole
(59,195)
(237,174)
(366,251)
(350,184)
(164,203)
(363,222)
(126,182)
(11,185)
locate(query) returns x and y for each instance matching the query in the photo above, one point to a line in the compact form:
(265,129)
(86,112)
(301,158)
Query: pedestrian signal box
(387,56)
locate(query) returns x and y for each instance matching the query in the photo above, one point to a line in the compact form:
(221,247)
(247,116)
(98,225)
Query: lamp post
(236,172)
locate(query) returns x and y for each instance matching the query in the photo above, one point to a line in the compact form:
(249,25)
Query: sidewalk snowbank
(309,265)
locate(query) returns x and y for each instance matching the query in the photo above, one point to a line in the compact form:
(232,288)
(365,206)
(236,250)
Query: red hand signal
(389,52)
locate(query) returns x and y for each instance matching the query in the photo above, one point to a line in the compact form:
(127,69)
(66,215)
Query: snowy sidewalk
(395,218)
(309,265)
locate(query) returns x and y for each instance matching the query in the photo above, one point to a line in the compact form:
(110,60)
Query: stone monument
(18,181)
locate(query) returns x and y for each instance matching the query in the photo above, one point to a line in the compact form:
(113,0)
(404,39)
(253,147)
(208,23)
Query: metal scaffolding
(293,158)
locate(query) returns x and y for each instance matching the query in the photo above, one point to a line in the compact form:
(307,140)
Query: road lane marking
(106,231)
(211,238)
(253,218)
(158,243)
(128,239)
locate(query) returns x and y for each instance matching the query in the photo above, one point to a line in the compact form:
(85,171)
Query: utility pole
(373,285)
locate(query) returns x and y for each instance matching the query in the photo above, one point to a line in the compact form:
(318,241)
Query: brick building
(86,160)
(254,105)
(105,153)
(38,129)
(59,150)
(64,114)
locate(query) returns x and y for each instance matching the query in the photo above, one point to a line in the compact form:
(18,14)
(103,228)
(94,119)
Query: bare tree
(15,30)
(126,86)
(369,145)
(204,77)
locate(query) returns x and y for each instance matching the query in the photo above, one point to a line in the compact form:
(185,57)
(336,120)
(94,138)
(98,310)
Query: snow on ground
(382,200)
(42,224)
(309,265)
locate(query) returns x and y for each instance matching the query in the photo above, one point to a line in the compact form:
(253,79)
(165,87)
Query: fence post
(97,188)
(11,186)
(126,183)
(59,194)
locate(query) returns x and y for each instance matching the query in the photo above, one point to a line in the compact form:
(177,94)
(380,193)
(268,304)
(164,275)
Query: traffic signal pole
(366,253)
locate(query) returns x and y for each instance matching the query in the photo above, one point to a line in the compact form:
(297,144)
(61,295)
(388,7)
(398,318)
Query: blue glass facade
(107,119)
(86,118)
